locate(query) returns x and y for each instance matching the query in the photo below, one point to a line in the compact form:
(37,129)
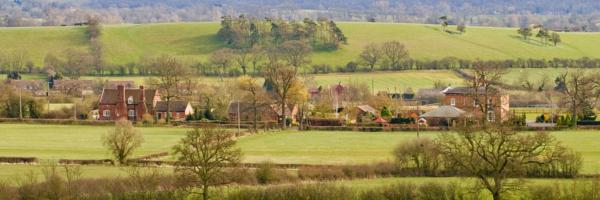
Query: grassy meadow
(52,142)
(380,81)
(195,41)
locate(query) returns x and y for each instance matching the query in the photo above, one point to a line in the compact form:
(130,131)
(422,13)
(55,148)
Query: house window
(490,116)
(131,113)
(453,102)
(106,113)
(489,102)
(130,100)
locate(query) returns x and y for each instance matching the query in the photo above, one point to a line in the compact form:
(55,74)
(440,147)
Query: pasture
(379,81)
(193,42)
(52,142)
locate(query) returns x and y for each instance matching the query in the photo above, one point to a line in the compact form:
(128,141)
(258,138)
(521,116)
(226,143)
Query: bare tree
(394,52)
(295,53)
(122,140)
(284,84)
(580,89)
(371,55)
(171,73)
(257,55)
(492,154)
(205,153)
(485,85)
(77,63)
(16,60)
(222,59)
(242,57)
(255,95)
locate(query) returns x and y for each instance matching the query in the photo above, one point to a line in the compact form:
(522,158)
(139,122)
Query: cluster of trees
(243,32)
(543,33)
(576,15)
(390,54)
(15,104)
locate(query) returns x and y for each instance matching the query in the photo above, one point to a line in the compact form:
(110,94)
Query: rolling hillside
(195,41)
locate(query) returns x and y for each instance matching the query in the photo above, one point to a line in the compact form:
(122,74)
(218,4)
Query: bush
(421,154)
(147,119)
(566,165)
(322,173)
(265,173)
(403,191)
(294,192)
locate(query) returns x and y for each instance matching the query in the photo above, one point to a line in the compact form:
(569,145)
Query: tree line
(245,32)
(577,15)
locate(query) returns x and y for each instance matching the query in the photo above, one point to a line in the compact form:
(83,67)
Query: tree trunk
(168,109)
(255,109)
(496,196)
(283,120)
(205,192)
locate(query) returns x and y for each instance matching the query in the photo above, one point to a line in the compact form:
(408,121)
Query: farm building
(178,110)
(34,87)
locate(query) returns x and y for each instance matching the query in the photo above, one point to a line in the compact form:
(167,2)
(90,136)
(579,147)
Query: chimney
(121,102)
(142,108)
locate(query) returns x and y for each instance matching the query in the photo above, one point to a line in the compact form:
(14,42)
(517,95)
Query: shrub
(402,191)
(321,173)
(265,173)
(294,192)
(422,154)
(147,119)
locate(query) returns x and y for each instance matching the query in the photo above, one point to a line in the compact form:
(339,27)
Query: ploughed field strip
(49,143)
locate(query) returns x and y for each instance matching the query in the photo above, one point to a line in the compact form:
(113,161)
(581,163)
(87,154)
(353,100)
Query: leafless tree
(242,57)
(295,53)
(222,59)
(205,153)
(496,152)
(257,55)
(284,84)
(123,140)
(255,95)
(485,85)
(371,55)
(580,90)
(394,52)
(76,63)
(171,74)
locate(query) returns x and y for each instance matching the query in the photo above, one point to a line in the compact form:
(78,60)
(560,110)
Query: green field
(194,41)
(51,142)
(380,81)
(535,75)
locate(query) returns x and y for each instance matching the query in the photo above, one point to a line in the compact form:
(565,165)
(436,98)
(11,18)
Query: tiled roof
(175,106)
(444,112)
(114,84)
(109,96)
(367,108)
(67,84)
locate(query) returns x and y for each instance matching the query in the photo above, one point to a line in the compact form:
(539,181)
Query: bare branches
(123,140)
(205,153)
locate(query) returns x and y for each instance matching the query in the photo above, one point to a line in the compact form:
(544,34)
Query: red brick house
(179,110)
(468,99)
(131,104)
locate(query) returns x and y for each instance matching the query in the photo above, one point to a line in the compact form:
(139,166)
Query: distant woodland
(572,15)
